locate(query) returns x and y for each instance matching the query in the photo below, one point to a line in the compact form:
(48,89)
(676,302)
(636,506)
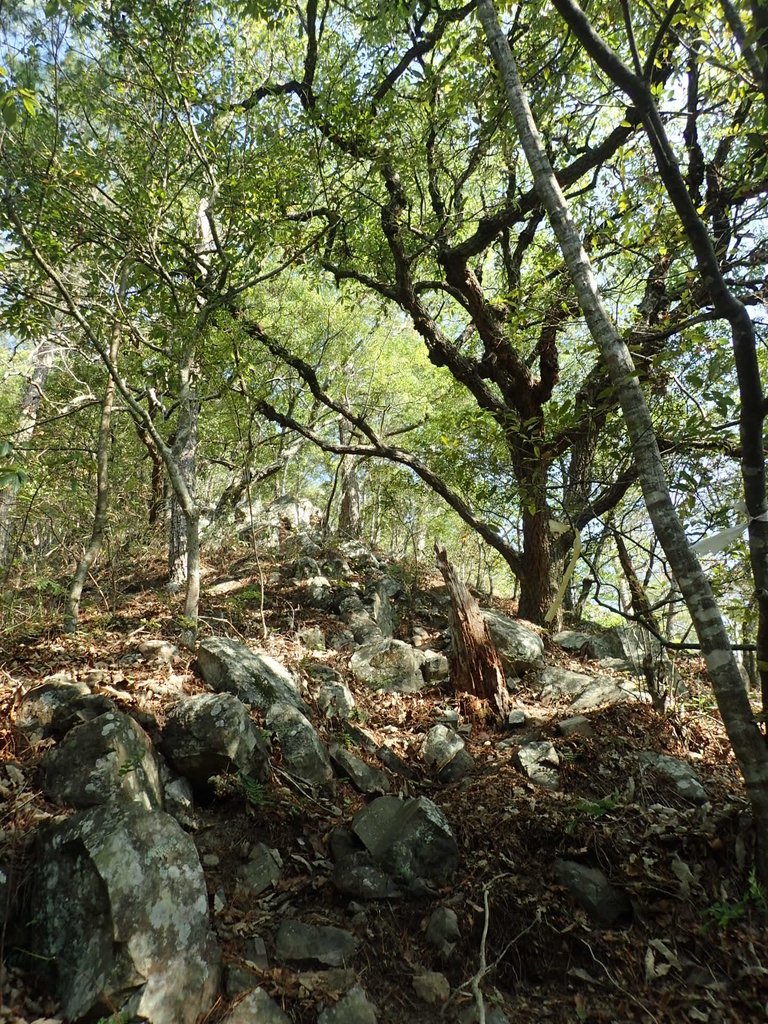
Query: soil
(695,950)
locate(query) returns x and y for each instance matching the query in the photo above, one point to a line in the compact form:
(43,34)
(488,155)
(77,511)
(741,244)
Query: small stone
(578,725)
(516,718)
(257,1006)
(443,930)
(263,869)
(354,1008)
(326,944)
(432,987)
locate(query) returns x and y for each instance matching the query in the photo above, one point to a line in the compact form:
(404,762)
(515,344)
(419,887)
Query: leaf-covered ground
(697,949)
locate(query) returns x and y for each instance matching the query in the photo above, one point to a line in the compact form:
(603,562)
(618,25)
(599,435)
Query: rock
(119,903)
(320,983)
(213,733)
(581,644)
(257,1008)
(239,979)
(516,718)
(587,692)
(263,868)
(292,514)
(326,944)
(388,665)
(53,708)
(258,680)
(107,759)
(382,609)
(358,555)
(335,700)
(161,651)
(302,749)
(444,752)
(319,592)
(411,839)
(305,568)
(605,903)
(578,725)
(362,776)
(395,763)
(435,668)
(432,987)
(539,761)
(519,648)
(356,875)
(312,638)
(680,772)
(493,1015)
(354,1008)
(443,931)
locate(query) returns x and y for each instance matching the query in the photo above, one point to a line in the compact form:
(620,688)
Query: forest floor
(696,950)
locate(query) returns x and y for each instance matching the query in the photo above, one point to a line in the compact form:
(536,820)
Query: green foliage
(725,913)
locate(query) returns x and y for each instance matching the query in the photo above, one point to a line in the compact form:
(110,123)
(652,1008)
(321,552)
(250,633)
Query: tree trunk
(538,585)
(72,609)
(42,361)
(474,662)
(746,739)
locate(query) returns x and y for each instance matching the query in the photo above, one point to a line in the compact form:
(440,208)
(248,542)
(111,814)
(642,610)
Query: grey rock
(539,761)
(342,640)
(213,733)
(319,592)
(395,763)
(53,708)
(161,651)
(578,725)
(258,680)
(493,1015)
(586,692)
(292,514)
(354,1008)
(335,700)
(382,609)
(574,642)
(239,979)
(302,748)
(257,1008)
(107,759)
(312,638)
(388,665)
(362,776)
(680,772)
(256,951)
(435,667)
(443,931)
(444,752)
(357,876)
(605,903)
(263,868)
(411,839)
(516,718)
(432,987)
(304,568)
(326,944)
(358,555)
(519,648)
(120,905)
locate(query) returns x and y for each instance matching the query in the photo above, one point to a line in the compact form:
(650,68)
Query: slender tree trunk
(349,507)
(731,695)
(42,361)
(72,609)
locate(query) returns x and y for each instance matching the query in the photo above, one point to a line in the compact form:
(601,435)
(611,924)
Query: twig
(616,985)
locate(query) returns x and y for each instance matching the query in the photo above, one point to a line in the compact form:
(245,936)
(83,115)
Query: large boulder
(411,839)
(120,907)
(256,679)
(388,665)
(55,707)
(585,692)
(519,648)
(107,759)
(302,749)
(212,733)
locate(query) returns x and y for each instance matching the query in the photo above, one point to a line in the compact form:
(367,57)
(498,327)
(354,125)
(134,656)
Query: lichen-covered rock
(585,691)
(361,775)
(107,759)
(212,733)
(388,665)
(302,749)
(55,707)
(444,752)
(354,1008)
(519,647)
(258,680)
(540,761)
(257,1008)
(119,905)
(411,839)
(680,772)
(335,699)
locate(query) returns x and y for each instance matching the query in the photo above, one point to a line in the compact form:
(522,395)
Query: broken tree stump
(474,661)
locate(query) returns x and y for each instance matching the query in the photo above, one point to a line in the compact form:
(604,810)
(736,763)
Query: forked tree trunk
(730,692)
(474,661)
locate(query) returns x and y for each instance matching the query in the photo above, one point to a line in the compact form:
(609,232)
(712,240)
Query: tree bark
(474,662)
(731,695)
